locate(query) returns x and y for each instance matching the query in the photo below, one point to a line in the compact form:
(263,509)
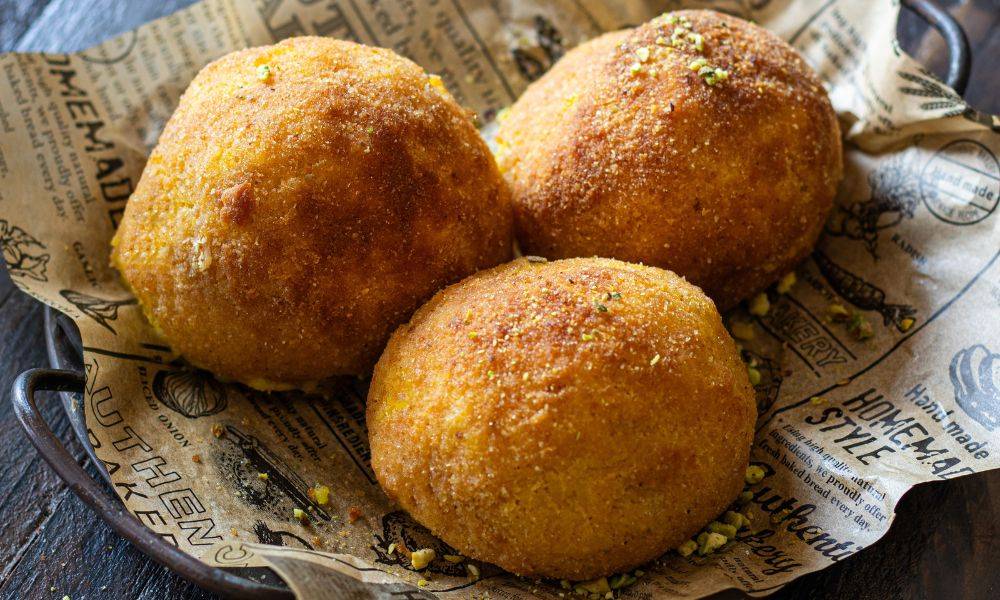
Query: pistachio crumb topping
(264,73)
(473,571)
(454,558)
(654,360)
(436,82)
(754,474)
(300,515)
(816,400)
(421,558)
(321,494)
(837,312)
(906,324)
(754,375)
(423,583)
(642,53)
(698,63)
(759,305)
(687,548)
(724,529)
(262,476)
(710,542)
(786,283)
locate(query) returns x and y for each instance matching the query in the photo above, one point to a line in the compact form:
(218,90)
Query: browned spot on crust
(237,203)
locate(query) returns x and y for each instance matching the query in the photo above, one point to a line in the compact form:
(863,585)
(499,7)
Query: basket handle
(959,56)
(114,513)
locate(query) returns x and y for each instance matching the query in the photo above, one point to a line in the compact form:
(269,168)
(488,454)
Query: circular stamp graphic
(960,184)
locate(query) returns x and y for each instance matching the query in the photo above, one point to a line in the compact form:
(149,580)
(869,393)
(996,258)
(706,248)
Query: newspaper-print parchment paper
(846,426)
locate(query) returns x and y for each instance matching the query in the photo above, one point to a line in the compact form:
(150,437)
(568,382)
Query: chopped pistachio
(698,63)
(587,336)
(473,571)
(860,327)
(565,584)
(262,476)
(687,548)
(300,515)
(654,360)
(754,376)
(642,53)
(838,312)
(594,586)
(785,283)
(759,305)
(744,497)
(729,531)
(754,474)
(741,330)
(621,580)
(263,73)
(421,558)
(905,324)
(454,558)
(697,41)
(634,68)
(600,307)
(392,548)
(661,41)
(322,494)
(715,76)
(473,335)
(735,519)
(816,400)
(423,582)
(614,296)
(713,541)
(435,81)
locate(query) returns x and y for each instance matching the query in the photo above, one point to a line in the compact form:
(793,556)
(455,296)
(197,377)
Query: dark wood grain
(945,542)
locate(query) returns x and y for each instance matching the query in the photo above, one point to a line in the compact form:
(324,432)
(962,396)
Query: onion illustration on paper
(25,256)
(188,392)
(861,293)
(101,310)
(895,194)
(975,375)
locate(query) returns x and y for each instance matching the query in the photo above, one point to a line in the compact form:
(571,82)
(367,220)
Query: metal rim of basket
(65,351)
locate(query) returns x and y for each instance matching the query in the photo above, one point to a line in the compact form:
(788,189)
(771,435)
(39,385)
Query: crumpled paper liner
(846,425)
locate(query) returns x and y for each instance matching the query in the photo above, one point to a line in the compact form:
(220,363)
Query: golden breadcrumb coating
(696,142)
(302,201)
(568,419)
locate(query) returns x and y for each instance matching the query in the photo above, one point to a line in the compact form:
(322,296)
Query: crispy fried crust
(642,160)
(529,427)
(292,216)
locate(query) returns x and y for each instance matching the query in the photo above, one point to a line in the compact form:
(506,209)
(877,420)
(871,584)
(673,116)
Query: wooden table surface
(945,542)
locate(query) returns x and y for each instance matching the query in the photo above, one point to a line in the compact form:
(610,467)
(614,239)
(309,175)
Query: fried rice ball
(304,199)
(568,419)
(697,142)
